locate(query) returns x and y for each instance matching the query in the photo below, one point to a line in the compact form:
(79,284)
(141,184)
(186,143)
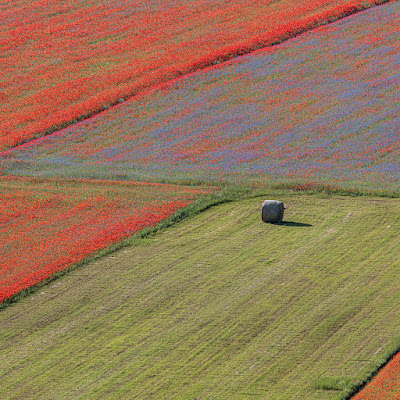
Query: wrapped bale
(272,211)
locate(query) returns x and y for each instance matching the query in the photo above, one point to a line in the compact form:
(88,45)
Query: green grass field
(219,306)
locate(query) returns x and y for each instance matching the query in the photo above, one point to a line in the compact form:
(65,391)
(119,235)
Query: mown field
(62,61)
(219,306)
(320,108)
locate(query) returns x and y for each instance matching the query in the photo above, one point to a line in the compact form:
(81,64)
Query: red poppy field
(47,226)
(63,61)
(386,385)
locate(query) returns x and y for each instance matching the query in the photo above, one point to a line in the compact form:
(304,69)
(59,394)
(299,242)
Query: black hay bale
(272,211)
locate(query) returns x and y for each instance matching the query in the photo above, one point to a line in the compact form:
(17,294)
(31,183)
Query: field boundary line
(388,356)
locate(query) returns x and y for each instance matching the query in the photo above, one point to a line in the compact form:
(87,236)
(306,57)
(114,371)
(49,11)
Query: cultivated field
(219,306)
(62,61)
(320,108)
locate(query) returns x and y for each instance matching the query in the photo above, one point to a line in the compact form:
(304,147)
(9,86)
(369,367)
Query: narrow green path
(220,306)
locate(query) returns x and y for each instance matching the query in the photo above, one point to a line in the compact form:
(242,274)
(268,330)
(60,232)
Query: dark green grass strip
(377,366)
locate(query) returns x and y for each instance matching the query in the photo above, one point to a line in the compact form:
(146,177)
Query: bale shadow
(291,223)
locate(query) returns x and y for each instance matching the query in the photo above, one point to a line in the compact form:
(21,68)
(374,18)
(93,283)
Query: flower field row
(45,226)
(320,108)
(62,61)
(385,386)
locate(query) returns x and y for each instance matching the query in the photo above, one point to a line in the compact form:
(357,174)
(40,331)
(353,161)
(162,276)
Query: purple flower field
(323,107)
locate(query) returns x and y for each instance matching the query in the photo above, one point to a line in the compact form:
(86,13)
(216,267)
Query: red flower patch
(45,226)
